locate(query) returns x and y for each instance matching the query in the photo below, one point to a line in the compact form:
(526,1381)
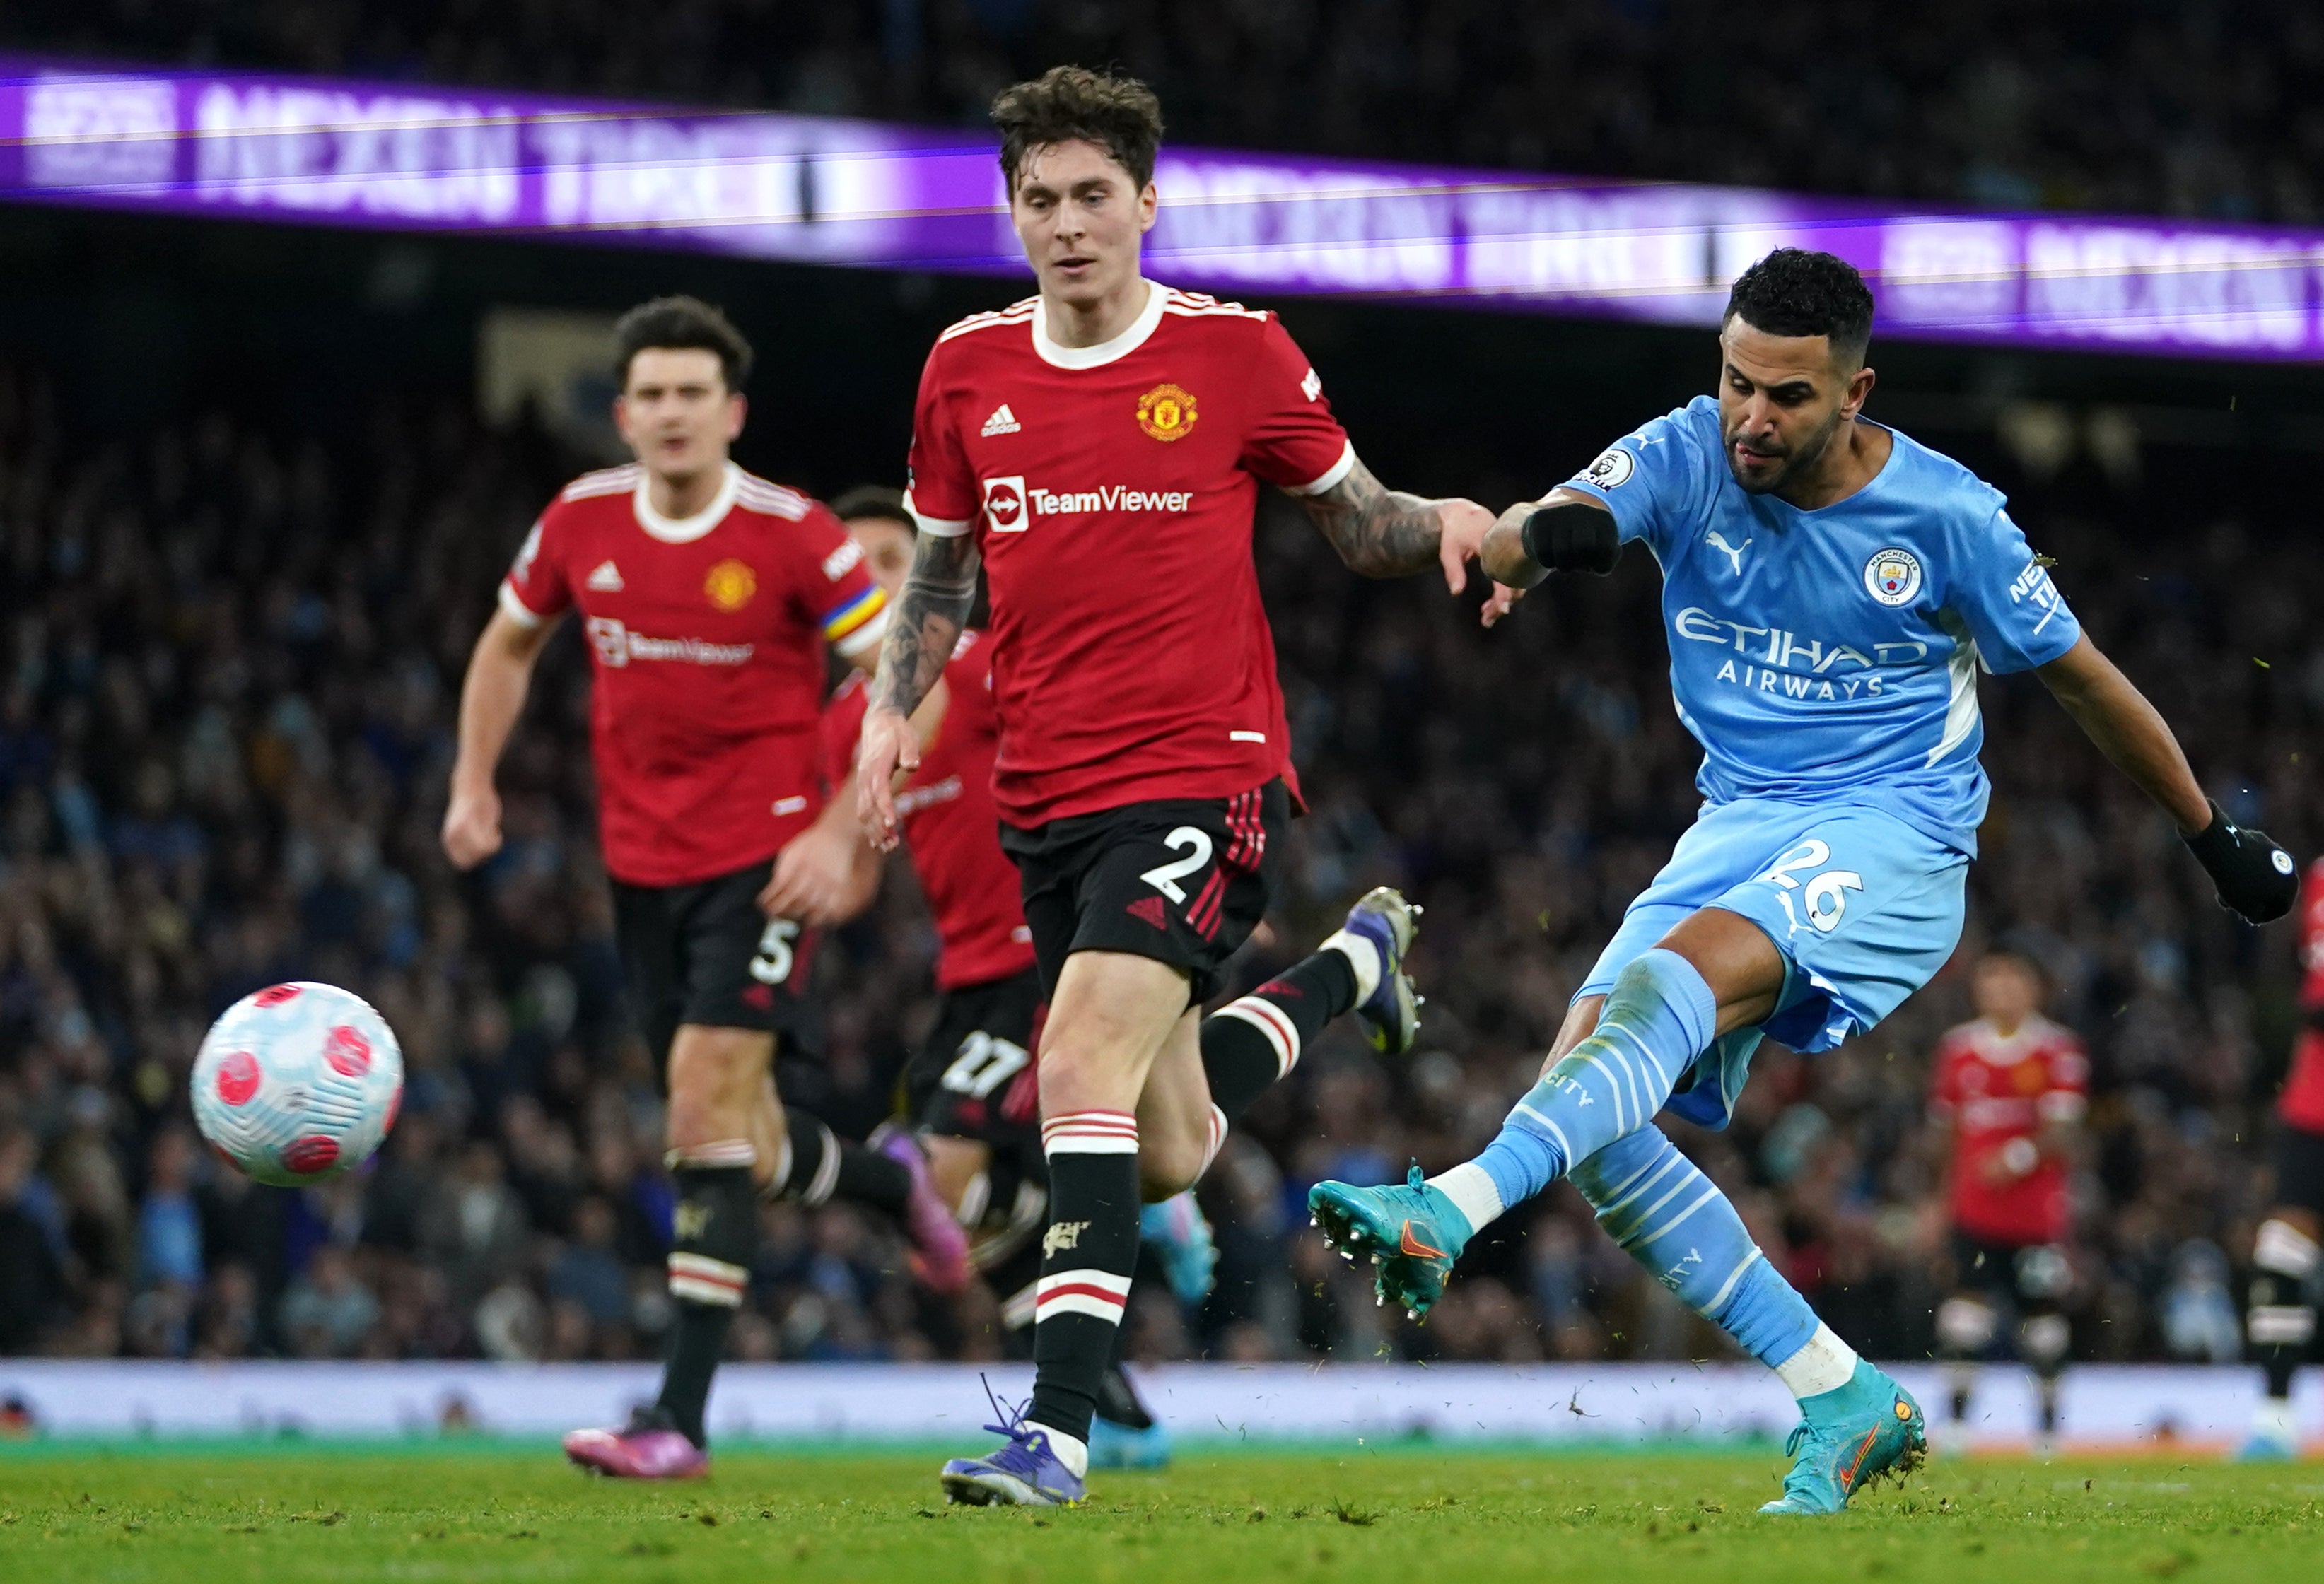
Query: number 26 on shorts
(1824,898)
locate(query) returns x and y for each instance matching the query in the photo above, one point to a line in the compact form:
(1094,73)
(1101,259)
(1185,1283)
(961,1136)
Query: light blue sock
(1657,1018)
(1673,1221)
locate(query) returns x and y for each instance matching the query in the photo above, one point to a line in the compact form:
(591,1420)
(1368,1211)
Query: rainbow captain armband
(856,622)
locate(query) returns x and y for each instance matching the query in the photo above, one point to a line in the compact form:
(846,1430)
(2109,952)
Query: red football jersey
(2302,1104)
(1111,489)
(706,638)
(949,822)
(1992,1092)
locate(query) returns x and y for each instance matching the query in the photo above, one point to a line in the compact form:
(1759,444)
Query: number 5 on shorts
(772,965)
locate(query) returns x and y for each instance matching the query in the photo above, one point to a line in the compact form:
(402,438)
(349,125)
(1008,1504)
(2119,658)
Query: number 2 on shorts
(1163,877)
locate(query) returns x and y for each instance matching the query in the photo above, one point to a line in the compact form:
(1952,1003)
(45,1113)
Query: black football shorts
(704,954)
(1182,881)
(974,1078)
(2298,1167)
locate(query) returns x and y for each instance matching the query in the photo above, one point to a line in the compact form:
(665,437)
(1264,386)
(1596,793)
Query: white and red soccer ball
(298,1083)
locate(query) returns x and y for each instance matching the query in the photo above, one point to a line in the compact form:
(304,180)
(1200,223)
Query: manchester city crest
(1893,576)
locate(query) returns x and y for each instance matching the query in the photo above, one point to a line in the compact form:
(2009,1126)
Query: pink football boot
(648,1448)
(940,1246)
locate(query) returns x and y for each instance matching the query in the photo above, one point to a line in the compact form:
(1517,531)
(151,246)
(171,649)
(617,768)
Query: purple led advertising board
(410,158)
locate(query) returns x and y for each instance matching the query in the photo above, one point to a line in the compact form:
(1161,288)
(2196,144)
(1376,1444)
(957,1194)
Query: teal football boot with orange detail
(1413,1233)
(1847,1438)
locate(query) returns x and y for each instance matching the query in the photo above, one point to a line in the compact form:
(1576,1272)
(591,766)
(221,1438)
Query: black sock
(2045,1338)
(1118,1401)
(868,1177)
(717,1235)
(2279,1324)
(1249,1044)
(824,1166)
(1088,1255)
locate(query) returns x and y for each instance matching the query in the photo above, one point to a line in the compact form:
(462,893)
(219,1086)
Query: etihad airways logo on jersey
(617,645)
(1775,659)
(1011,504)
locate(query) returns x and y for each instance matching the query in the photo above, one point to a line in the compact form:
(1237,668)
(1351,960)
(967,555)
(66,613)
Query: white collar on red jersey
(2006,1050)
(1104,352)
(684,531)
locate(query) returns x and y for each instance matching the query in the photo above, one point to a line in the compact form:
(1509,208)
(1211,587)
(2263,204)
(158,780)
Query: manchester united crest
(1166,413)
(730,585)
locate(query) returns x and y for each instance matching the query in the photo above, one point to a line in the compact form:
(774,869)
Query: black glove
(2256,878)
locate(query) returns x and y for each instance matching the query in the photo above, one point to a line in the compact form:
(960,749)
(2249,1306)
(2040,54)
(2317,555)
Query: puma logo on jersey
(1001,422)
(606,579)
(1734,553)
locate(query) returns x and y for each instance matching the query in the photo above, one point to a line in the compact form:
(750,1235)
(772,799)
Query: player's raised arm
(2255,878)
(922,631)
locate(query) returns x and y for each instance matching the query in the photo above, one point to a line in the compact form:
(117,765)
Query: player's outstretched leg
(1254,1042)
(1659,1016)
(888,1174)
(1856,1423)
(2279,1325)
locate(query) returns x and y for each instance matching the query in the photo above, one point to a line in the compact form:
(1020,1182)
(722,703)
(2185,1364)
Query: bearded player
(1098,449)
(709,598)
(1831,590)
(972,1091)
(2279,1324)
(2008,1089)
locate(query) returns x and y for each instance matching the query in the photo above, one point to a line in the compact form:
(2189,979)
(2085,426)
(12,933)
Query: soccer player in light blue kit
(1830,590)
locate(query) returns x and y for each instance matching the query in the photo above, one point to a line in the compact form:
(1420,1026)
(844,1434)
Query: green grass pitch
(287,1513)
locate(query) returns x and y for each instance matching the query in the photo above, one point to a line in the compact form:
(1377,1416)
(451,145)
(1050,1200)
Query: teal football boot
(1121,1446)
(1847,1438)
(1179,1234)
(1413,1233)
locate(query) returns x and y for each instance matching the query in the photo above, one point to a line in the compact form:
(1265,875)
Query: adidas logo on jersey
(1001,422)
(606,579)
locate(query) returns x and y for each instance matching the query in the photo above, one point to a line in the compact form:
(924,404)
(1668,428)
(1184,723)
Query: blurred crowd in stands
(230,658)
(2205,108)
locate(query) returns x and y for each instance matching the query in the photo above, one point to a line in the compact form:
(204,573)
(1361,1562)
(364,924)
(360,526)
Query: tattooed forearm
(1380,533)
(929,616)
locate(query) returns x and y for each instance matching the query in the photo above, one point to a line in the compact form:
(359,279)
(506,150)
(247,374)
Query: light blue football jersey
(1832,656)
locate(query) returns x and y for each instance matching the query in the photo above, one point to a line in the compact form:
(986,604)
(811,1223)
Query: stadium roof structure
(409,157)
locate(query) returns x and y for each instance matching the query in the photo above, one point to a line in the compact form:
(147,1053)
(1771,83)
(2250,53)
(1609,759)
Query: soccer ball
(298,1083)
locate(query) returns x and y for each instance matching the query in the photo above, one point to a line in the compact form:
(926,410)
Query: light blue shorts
(1864,908)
